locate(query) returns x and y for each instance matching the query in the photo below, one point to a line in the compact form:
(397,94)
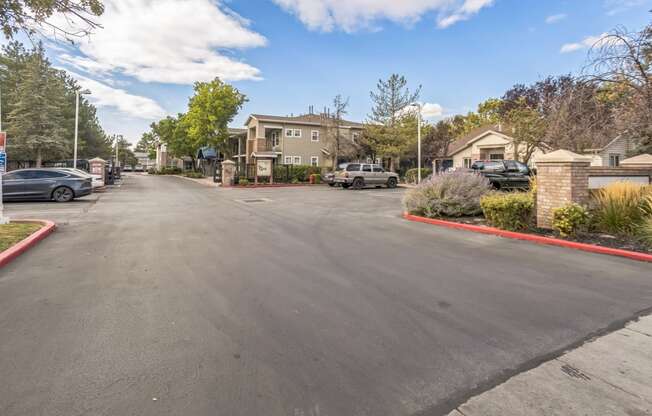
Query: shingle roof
(463,141)
(305,118)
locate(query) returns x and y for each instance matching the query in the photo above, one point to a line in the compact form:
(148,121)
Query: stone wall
(563,178)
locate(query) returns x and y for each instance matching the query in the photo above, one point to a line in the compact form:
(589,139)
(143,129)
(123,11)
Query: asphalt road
(165,297)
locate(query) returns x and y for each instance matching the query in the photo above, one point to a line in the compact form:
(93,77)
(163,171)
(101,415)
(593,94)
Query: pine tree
(36,122)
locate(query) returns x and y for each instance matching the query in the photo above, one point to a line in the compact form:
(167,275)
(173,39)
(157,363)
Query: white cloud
(431,110)
(618,6)
(103,95)
(352,15)
(169,41)
(555,18)
(586,43)
(428,110)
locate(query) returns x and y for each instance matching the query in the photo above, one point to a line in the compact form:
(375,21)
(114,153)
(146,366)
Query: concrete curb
(634,255)
(16,250)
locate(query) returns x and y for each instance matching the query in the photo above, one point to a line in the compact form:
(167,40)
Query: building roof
(473,135)
(236,132)
(308,119)
(562,155)
(644,159)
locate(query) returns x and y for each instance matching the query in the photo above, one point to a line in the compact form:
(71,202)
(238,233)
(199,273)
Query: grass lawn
(10,234)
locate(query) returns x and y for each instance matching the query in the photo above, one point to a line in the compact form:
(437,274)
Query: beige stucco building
(293,140)
(486,143)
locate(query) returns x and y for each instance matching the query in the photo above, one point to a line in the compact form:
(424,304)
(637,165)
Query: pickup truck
(504,174)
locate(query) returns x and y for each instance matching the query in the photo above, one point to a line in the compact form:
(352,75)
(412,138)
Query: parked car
(57,184)
(359,175)
(329,177)
(98,181)
(504,174)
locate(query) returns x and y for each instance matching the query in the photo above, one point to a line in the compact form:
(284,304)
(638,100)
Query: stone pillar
(228,173)
(562,178)
(97,166)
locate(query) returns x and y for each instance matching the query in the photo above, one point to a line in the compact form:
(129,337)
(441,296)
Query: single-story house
(485,143)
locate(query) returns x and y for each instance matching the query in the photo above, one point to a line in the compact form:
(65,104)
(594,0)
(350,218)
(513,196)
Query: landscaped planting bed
(618,216)
(13,233)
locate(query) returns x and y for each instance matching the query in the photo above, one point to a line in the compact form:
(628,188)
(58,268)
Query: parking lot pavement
(61,213)
(285,301)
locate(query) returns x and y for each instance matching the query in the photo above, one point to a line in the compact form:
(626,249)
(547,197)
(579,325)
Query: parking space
(57,212)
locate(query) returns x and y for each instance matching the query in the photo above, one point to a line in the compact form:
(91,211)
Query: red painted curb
(22,246)
(634,255)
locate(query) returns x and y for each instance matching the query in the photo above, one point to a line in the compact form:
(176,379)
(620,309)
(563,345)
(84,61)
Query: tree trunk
(39,158)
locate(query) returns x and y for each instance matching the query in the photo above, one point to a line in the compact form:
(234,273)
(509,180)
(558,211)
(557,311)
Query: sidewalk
(611,375)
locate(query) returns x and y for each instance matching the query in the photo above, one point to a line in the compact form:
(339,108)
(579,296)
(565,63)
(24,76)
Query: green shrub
(411,174)
(194,175)
(570,219)
(619,208)
(295,180)
(453,194)
(151,171)
(243,181)
(169,170)
(299,172)
(316,177)
(508,211)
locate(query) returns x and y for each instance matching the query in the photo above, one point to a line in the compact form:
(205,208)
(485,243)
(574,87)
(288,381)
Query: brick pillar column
(562,178)
(228,173)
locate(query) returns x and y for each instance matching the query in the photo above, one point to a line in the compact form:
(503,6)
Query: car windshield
(353,167)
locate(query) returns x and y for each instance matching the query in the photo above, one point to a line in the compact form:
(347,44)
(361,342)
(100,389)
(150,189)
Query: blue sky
(286,55)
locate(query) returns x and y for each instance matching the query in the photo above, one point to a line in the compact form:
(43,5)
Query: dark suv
(504,174)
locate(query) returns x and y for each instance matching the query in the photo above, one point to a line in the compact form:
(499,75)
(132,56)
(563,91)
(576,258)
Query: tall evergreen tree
(36,123)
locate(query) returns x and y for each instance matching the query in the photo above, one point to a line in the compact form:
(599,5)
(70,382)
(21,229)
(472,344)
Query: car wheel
(496,185)
(345,185)
(358,183)
(391,183)
(63,194)
(331,185)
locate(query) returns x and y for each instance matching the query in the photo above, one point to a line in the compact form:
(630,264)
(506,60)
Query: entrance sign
(263,168)
(3,141)
(3,163)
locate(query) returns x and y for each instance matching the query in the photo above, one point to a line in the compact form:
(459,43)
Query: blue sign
(3,162)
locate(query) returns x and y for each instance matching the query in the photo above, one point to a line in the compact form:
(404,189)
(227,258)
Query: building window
(292,132)
(314,136)
(275,139)
(296,160)
(467,163)
(496,156)
(288,160)
(614,160)
(314,160)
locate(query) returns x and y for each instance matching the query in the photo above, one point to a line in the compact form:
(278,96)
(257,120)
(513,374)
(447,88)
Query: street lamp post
(418,105)
(77,94)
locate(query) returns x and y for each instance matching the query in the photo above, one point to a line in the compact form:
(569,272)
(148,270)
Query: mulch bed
(604,240)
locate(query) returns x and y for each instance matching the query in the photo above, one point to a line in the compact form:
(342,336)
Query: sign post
(3,169)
